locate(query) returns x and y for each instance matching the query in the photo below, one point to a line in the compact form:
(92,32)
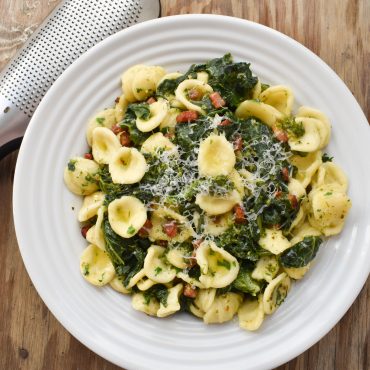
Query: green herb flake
(100,120)
(86,269)
(157,270)
(131,230)
(72,165)
(224,263)
(326,158)
(328,193)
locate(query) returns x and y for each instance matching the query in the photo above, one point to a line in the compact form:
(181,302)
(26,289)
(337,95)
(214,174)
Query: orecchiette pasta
(127,166)
(280,97)
(274,241)
(140,303)
(104,145)
(158,112)
(205,192)
(306,166)
(90,206)
(181,93)
(216,156)
(275,293)
(329,208)
(320,116)
(251,313)
(96,267)
(156,267)
(127,216)
(173,303)
(218,268)
(266,268)
(311,139)
(157,141)
(223,308)
(106,118)
(80,176)
(217,205)
(253,108)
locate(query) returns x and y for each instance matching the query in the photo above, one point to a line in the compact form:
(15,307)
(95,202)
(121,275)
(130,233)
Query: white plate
(49,236)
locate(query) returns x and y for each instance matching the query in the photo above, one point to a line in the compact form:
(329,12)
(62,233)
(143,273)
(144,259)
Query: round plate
(45,211)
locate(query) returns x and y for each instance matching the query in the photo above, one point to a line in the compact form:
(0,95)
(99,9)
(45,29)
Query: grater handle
(13,124)
(17,100)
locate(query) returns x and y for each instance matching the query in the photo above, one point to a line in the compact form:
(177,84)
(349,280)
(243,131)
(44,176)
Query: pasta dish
(206,192)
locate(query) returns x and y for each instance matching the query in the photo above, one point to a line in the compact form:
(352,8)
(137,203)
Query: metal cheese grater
(72,28)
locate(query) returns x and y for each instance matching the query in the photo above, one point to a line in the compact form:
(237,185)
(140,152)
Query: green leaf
(245,283)
(302,253)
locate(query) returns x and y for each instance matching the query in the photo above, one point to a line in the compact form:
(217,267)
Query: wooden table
(337,31)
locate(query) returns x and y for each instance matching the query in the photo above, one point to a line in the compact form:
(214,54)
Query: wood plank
(30,337)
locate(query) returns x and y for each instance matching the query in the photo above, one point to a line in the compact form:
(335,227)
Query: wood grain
(337,31)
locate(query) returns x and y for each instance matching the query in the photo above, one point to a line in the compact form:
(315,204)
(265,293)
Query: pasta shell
(280,97)
(140,303)
(298,220)
(275,293)
(311,139)
(99,239)
(329,208)
(251,313)
(139,276)
(145,81)
(160,216)
(205,298)
(325,123)
(304,230)
(218,268)
(155,266)
(306,166)
(104,145)
(90,206)
(296,188)
(127,166)
(297,273)
(127,79)
(158,112)
(117,284)
(173,303)
(223,308)
(120,108)
(145,283)
(217,226)
(96,267)
(80,176)
(274,241)
(190,280)
(177,258)
(216,156)
(202,76)
(266,268)
(264,112)
(126,215)
(157,141)
(187,85)
(214,206)
(105,118)
(331,174)
(170,118)
(256,91)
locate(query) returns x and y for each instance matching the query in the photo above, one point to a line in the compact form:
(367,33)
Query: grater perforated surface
(74,27)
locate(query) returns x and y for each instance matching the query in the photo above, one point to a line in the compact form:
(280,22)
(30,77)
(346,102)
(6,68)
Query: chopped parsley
(131,230)
(72,165)
(100,120)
